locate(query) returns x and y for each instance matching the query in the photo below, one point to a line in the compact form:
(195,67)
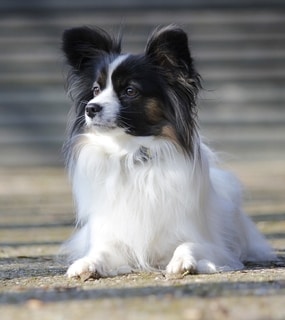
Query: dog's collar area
(144,154)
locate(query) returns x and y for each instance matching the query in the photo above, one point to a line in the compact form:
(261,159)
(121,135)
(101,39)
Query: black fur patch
(157,90)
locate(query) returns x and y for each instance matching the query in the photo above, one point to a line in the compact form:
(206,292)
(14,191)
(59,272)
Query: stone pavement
(240,54)
(36,216)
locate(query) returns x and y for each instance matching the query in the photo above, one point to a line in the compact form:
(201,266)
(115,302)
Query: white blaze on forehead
(108,99)
(113,65)
(108,90)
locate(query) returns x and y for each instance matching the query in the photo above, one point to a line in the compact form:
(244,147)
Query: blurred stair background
(239,51)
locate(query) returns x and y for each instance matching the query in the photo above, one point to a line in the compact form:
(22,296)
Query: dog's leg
(103,263)
(201,258)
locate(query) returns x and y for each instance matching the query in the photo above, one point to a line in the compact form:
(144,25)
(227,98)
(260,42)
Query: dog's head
(151,94)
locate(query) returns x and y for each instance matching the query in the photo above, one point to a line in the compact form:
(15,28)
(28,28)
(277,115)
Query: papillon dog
(149,193)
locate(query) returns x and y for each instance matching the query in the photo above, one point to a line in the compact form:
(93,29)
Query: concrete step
(240,54)
(227,103)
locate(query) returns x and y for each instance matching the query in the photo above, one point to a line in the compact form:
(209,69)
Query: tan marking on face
(153,111)
(168,132)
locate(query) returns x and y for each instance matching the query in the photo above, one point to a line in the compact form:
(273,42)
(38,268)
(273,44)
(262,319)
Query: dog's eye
(131,91)
(96,89)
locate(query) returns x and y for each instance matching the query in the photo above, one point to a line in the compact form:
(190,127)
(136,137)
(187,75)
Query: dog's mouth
(99,123)
(103,126)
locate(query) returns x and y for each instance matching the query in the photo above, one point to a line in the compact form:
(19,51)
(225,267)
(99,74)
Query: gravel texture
(36,216)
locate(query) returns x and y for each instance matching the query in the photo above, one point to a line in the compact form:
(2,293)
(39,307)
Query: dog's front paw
(185,260)
(80,267)
(95,268)
(181,262)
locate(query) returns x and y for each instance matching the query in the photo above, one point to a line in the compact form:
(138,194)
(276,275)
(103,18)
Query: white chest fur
(138,200)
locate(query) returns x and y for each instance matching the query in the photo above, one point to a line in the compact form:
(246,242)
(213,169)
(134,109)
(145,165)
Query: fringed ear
(82,44)
(84,49)
(168,48)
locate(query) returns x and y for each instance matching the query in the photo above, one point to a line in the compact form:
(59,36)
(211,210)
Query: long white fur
(168,212)
(143,204)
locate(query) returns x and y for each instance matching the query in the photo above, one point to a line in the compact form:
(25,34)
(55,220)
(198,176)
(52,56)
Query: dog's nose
(91,109)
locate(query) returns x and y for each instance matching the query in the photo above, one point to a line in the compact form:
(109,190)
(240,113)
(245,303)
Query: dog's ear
(168,48)
(82,44)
